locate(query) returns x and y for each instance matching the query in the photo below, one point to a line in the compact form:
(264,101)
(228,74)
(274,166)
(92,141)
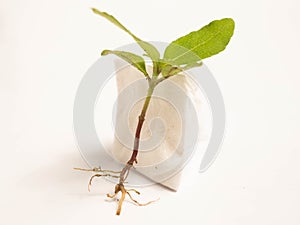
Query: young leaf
(208,41)
(135,60)
(151,51)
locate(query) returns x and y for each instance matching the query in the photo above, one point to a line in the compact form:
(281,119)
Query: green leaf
(135,60)
(208,41)
(151,51)
(170,69)
(114,21)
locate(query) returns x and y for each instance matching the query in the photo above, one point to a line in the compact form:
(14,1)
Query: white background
(46,47)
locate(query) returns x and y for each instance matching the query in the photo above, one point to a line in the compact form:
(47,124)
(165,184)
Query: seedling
(182,54)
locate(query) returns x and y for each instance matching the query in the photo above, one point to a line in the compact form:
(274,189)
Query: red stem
(139,127)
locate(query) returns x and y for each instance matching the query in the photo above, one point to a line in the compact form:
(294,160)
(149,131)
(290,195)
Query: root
(97,169)
(122,175)
(140,204)
(121,188)
(134,191)
(100,173)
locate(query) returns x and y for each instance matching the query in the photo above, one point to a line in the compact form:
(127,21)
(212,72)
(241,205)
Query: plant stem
(139,127)
(124,173)
(141,120)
